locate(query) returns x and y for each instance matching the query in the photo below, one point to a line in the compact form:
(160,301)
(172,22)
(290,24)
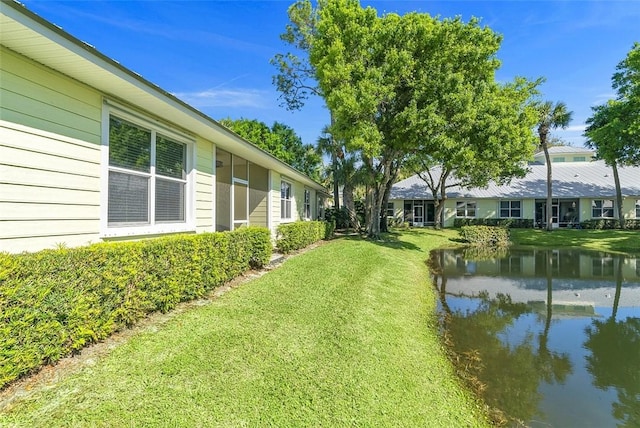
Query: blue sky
(215,54)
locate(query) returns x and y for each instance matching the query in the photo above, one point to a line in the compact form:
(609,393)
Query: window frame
(466,207)
(638,208)
(286,213)
(156,129)
(306,205)
(510,209)
(391,210)
(602,208)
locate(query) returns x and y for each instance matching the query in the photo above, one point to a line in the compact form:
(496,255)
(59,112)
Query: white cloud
(252,98)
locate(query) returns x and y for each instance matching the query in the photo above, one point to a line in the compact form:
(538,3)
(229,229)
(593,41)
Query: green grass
(616,241)
(343,335)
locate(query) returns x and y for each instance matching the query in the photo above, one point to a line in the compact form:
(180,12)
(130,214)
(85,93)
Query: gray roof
(570,180)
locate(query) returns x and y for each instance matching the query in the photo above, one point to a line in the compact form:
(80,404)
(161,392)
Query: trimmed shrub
(55,302)
(515,223)
(488,236)
(610,223)
(300,234)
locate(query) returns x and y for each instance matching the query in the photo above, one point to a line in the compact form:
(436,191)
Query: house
(91,151)
(583,189)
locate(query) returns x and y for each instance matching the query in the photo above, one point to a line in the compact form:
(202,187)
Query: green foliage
(400,87)
(614,129)
(55,302)
(340,216)
(300,234)
(487,236)
(281,141)
(610,223)
(513,223)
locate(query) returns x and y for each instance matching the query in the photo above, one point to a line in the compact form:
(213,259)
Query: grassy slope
(343,335)
(618,241)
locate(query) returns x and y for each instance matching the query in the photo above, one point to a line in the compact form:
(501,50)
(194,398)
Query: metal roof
(34,37)
(570,180)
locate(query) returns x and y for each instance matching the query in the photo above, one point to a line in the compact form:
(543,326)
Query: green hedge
(488,236)
(55,302)
(515,223)
(605,223)
(300,234)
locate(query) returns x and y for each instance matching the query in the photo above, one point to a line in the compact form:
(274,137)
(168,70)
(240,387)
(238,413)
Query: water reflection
(551,337)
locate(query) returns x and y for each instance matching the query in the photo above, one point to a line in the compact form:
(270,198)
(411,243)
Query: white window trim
(291,217)
(613,208)
(106,231)
(510,208)
(466,209)
(306,203)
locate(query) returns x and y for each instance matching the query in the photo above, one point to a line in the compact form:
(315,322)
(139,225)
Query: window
(579,158)
(602,208)
(320,207)
(602,267)
(637,208)
(285,200)
(465,209)
(147,176)
(307,204)
(557,159)
(510,209)
(390,210)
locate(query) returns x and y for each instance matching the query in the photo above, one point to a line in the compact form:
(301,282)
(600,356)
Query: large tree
(296,79)
(416,86)
(281,141)
(550,116)
(614,128)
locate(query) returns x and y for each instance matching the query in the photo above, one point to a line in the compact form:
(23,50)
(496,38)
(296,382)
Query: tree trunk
(616,179)
(350,206)
(549,210)
(373,228)
(384,226)
(334,168)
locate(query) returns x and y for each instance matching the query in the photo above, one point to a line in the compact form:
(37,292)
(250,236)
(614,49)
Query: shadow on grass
(388,240)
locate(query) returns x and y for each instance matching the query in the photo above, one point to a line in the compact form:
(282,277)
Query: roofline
(22,12)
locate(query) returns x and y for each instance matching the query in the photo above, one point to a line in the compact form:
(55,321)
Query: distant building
(583,189)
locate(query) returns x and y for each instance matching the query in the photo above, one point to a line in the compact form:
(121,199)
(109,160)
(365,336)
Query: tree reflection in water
(615,359)
(535,339)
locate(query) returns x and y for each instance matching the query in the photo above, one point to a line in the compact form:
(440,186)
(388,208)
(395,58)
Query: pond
(550,337)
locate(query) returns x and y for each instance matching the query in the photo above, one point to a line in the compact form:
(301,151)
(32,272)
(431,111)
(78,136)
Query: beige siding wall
(49,189)
(204,186)
(258,195)
(487,208)
(38,97)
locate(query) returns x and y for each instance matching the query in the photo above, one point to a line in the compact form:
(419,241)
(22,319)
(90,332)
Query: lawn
(342,335)
(615,241)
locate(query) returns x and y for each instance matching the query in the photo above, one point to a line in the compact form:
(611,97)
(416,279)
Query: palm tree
(328,145)
(550,117)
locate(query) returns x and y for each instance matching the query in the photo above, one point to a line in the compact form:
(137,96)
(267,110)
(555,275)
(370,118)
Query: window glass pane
(169,201)
(504,204)
(504,213)
(239,202)
(128,198)
(240,169)
(129,145)
(515,204)
(515,213)
(170,158)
